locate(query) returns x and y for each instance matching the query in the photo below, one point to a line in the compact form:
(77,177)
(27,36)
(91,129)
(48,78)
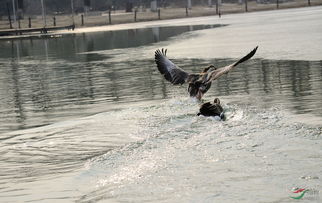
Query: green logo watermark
(300,192)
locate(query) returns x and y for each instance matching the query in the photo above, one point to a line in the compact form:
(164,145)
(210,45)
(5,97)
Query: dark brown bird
(199,83)
(209,109)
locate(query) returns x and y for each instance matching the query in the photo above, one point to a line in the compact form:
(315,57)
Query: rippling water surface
(87,118)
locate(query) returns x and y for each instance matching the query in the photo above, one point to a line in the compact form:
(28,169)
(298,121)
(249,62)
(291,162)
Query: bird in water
(199,83)
(212,109)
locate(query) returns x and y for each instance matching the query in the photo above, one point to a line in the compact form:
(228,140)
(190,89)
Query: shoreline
(148,21)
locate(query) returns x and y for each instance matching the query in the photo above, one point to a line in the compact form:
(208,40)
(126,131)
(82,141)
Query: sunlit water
(87,118)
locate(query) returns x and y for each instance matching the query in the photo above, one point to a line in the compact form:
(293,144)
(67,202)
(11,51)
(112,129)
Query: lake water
(87,117)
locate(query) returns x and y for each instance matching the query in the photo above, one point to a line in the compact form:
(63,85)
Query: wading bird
(212,109)
(199,83)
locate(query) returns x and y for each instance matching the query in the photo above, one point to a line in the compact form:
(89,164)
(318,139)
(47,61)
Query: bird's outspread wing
(220,71)
(168,69)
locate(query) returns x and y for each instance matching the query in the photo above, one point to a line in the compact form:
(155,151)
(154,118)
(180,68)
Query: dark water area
(37,93)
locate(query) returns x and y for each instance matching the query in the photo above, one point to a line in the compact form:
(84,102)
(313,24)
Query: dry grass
(166,13)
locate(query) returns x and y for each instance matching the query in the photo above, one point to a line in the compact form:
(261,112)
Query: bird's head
(216,101)
(209,69)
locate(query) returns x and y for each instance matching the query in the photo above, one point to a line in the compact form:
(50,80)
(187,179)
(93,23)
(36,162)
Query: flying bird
(199,83)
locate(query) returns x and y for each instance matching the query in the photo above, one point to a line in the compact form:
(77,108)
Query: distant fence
(47,13)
